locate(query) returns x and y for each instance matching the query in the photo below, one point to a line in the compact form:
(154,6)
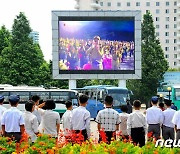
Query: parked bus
(60,96)
(98,93)
(173,94)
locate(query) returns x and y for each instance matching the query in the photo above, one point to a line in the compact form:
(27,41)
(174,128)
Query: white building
(166,15)
(35,36)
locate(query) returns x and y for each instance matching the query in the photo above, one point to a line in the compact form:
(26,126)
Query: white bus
(60,96)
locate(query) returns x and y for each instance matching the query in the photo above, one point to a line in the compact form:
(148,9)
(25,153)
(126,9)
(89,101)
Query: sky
(38,12)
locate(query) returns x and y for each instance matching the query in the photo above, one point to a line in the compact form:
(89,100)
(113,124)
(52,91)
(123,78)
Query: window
(166,48)
(175,41)
(167,3)
(157,3)
(175,63)
(175,10)
(109,4)
(101,3)
(138,4)
(147,3)
(175,18)
(157,11)
(175,48)
(175,3)
(166,56)
(157,18)
(175,25)
(167,18)
(157,33)
(167,26)
(167,41)
(96,2)
(118,4)
(175,55)
(167,11)
(147,11)
(175,33)
(157,26)
(128,4)
(166,33)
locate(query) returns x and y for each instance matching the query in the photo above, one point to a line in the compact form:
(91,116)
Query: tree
(21,61)
(154,65)
(4,38)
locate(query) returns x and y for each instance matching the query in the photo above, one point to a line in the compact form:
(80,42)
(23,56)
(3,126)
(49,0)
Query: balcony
(95,5)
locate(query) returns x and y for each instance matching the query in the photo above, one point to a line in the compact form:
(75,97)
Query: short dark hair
(124,108)
(161,104)
(137,103)
(35,98)
(109,100)
(50,104)
(29,105)
(83,99)
(168,103)
(68,104)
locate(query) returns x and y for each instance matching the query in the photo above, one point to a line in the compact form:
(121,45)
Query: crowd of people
(42,119)
(93,54)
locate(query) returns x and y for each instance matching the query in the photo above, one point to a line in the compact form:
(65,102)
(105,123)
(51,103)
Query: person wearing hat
(154,117)
(2,110)
(12,120)
(168,126)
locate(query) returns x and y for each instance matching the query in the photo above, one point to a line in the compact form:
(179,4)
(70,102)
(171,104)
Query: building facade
(35,36)
(166,15)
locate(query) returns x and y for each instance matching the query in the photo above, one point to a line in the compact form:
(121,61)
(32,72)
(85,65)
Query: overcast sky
(38,12)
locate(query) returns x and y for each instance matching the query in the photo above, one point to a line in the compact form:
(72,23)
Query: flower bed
(47,145)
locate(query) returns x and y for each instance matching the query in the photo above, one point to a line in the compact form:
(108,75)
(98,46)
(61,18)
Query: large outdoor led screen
(96,45)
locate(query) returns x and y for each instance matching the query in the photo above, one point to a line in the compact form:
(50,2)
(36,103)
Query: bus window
(24,96)
(60,96)
(177,94)
(42,94)
(6,95)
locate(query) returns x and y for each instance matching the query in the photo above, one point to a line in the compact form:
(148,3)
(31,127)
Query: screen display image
(97,45)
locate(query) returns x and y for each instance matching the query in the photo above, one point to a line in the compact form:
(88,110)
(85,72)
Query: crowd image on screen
(94,54)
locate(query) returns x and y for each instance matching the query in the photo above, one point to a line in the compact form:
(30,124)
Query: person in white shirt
(108,120)
(2,110)
(50,119)
(31,123)
(81,118)
(36,111)
(137,125)
(168,126)
(154,117)
(12,120)
(123,118)
(176,122)
(66,120)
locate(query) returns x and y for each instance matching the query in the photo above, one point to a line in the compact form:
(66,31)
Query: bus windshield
(177,94)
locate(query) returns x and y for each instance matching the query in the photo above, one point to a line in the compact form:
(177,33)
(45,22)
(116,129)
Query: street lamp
(161,98)
(169,90)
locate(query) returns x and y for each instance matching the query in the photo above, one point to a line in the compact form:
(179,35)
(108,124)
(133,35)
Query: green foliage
(154,65)
(4,38)
(22,61)
(173,69)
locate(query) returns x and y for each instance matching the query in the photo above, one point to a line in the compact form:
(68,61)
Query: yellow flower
(14,153)
(124,150)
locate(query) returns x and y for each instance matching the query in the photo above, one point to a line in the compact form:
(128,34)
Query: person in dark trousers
(136,125)
(154,117)
(108,120)
(129,106)
(12,120)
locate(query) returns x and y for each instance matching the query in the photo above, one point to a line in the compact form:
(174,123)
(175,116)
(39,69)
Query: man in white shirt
(123,118)
(12,120)
(2,110)
(176,121)
(81,118)
(66,120)
(31,123)
(168,126)
(108,120)
(136,125)
(154,117)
